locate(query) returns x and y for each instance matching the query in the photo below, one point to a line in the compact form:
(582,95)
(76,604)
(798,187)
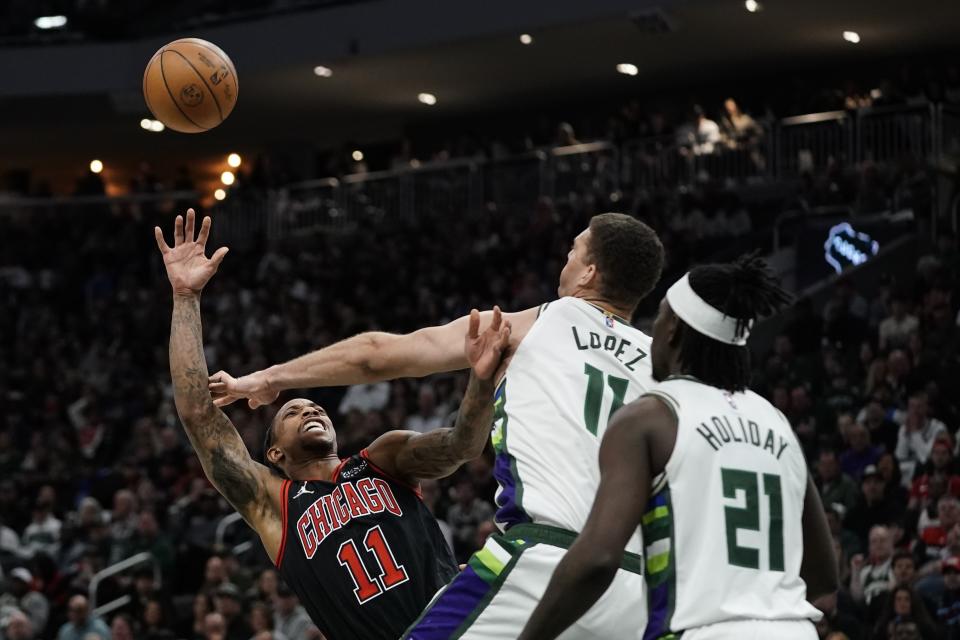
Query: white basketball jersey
(573,369)
(723,531)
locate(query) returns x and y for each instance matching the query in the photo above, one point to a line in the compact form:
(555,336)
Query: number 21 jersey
(723,530)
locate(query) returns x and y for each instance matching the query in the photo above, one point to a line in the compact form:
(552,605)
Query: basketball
(190,85)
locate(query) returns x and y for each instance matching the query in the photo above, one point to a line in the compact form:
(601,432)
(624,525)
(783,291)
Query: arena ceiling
(370,97)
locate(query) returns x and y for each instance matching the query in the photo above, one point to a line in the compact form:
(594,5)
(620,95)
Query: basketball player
(350,537)
(574,361)
(736,538)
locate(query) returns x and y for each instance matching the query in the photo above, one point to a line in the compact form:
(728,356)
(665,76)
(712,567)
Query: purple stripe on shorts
(449,611)
(659,601)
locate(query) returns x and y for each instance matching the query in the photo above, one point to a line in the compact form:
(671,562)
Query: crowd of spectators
(870,385)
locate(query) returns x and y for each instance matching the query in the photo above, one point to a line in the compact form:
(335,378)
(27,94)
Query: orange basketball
(190,85)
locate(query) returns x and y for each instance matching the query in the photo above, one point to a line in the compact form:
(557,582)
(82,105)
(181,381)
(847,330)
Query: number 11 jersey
(723,530)
(574,368)
(362,552)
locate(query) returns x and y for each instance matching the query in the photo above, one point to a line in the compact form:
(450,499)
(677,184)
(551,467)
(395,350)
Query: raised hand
(487,352)
(188,268)
(226,389)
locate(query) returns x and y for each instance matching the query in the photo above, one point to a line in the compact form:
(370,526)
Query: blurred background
(391,164)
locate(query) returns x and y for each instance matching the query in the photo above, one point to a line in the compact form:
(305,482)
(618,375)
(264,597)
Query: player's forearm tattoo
(440,452)
(238,485)
(216,441)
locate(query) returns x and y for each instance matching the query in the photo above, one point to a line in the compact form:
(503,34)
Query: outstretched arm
(248,486)
(413,456)
(364,358)
(590,565)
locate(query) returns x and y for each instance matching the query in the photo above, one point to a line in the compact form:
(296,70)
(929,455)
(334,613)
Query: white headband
(703,317)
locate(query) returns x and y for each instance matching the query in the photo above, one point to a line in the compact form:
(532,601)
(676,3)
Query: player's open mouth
(314,424)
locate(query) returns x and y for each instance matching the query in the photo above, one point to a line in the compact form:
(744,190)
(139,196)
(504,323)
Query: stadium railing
(789,149)
(123,566)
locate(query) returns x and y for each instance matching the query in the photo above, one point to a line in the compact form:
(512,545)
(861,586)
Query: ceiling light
(219,194)
(227,178)
(50,22)
(628,69)
(145,123)
(322,71)
(156,126)
(526,38)
(427,98)
(96,166)
(357,155)
(752,6)
(851,36)
(234,160)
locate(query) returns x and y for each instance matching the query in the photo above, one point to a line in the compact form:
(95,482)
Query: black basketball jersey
(362,552)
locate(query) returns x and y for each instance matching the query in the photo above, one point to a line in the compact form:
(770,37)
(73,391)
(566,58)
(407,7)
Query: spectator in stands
(266,587)
(43,532)
(289,618)
(82,622)
(870,577)
(365,397)
(700,136)
(16,626)
(195,625)
(948,608)
(918,432)
(148,537)
(22,594)
(121,628)
(933,539)
(464,516)
(904,569)
(740,131)
(261,622)
(873,508)
(836,489)
(154,625)
(430,493)
(214,627)
(883,430)
(427,418)
(123,522)
(229,604)
(215,575)
(861,453)
(895,330)
(905,613)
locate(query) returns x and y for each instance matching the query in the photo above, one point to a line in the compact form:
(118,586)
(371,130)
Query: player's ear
(590,276)
(274,455)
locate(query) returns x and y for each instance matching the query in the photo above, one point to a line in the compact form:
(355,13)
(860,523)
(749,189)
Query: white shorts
(754,630)
(493,598)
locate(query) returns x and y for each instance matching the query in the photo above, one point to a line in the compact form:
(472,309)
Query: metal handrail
(225,523)
(136,560)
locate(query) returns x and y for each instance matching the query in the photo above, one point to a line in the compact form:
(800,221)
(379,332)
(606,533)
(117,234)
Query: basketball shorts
(493,598)
(754,630)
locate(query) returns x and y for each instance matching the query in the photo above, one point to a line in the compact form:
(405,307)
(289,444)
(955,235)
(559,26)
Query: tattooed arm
(252,490)
(412,456)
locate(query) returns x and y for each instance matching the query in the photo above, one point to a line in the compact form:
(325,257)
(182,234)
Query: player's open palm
(487,352)
(188,268)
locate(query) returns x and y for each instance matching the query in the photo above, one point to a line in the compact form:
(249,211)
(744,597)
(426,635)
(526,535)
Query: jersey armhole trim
(669,401)
(414,488)
(284,510)
(336,472)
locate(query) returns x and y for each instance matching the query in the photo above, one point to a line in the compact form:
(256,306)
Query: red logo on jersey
(349,500)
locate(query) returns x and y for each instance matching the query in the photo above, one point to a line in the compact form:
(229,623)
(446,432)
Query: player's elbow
(372,356)
(194,414)
(599,569)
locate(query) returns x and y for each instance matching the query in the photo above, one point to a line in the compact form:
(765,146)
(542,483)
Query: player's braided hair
(746,290)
